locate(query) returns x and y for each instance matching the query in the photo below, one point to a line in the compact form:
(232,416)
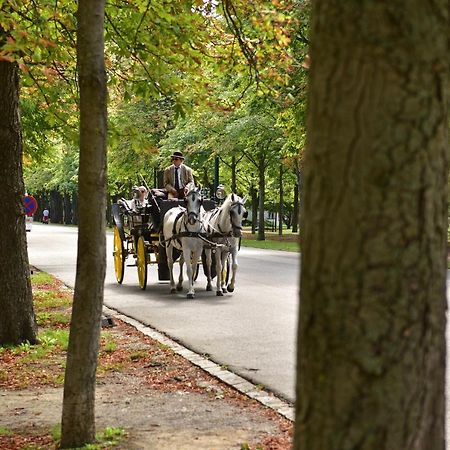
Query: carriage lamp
(220,192)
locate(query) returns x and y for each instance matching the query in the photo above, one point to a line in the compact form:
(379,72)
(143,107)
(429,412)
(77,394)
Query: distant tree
(78,418)
(371,342)
(17,320)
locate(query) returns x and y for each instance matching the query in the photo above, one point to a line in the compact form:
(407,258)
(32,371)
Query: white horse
(181,228)
(223,226)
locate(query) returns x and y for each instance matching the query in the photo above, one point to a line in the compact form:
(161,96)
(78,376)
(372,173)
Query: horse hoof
(209,288)
(230,289)
(224,290)
(173,291)
(191,296)
(219,294)
(179,288)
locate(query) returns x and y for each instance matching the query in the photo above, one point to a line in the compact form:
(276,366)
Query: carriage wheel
(226,269)
(119,256)
(141,262)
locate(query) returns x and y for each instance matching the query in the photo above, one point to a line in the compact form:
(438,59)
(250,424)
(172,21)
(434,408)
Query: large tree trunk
(17,321)
(78,418)
(371,354)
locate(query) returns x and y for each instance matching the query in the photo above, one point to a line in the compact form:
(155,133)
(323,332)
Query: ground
(161,400)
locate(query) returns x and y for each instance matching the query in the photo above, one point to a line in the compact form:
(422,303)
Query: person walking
(45,215)
(178,177)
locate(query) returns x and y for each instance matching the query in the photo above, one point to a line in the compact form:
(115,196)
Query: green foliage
(209,79)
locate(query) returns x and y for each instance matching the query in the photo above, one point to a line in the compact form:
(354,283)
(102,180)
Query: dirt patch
(152,419)
(159,398)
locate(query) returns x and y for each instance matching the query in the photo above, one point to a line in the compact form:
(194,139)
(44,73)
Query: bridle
(236,230)
(193,216)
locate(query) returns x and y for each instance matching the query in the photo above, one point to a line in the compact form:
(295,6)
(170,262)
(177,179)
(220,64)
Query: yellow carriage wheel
(141,262)
(119,256)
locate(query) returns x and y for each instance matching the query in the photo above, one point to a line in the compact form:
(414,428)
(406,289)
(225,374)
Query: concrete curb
(240,384)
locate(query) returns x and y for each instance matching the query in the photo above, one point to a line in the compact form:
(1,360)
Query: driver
(178,178)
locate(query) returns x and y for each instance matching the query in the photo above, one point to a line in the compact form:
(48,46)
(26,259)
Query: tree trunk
(295,215)
(281,205)
(56,207)
(75,208)
(254,196)
(67,205)
(262,196)
(17,321)
(233,173)
(78,418)
(371,354)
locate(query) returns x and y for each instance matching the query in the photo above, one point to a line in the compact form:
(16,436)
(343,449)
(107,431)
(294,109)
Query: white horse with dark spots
(181,228)
(223,227)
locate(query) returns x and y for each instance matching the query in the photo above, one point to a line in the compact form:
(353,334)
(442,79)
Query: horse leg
(169,251)
(196,252)
(222,279)
(190,276)
(219,291)
(207,269)
(180,278)
(234,266)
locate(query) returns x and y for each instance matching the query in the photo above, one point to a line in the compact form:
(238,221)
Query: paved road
(251,331)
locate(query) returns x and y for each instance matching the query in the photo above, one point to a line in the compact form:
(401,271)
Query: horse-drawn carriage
(158,231)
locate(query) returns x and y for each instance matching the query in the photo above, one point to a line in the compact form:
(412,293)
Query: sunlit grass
(106,439)
(51,299)
(42,278)
(286,246)
(48,319)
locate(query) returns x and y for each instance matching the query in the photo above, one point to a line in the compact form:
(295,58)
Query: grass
(269,244)
(106,438)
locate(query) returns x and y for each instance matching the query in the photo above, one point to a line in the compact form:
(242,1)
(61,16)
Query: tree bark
(56,207)
(262,197)
(281,205)
(295,215)
(67,206)
(371,353)
(17,320)
(78,417)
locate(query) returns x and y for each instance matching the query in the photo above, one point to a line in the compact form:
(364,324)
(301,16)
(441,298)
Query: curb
(240,384)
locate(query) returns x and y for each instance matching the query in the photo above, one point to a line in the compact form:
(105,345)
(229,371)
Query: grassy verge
(269,244)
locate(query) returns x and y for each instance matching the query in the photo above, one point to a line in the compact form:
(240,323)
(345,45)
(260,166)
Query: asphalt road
(251,331)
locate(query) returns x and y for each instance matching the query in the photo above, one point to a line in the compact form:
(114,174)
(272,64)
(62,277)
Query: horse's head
(237,213)
(193,205)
